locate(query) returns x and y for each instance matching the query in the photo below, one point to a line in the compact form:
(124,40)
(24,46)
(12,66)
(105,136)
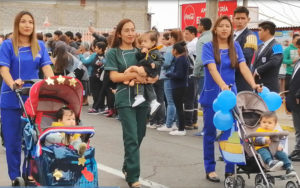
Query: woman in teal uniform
(20,59)
(121,56)
(220,59)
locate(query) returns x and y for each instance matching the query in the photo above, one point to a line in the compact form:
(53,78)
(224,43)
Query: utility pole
(212,9)
(245,3)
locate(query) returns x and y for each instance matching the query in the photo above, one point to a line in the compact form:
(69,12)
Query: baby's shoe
(138,99)
(154,106)
(275,165)
(290,172)
(82,149)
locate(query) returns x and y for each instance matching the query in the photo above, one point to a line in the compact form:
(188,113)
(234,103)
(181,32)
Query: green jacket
(287,59)
(205,37)
(119,60)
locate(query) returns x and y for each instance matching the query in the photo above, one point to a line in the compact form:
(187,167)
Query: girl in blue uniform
(20,59)
(121,56)
(220,59)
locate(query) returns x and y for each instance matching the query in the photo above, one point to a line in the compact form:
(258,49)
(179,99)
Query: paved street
(166,161)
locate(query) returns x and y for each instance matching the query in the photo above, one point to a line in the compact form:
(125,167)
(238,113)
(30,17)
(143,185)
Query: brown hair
(231,48)
(269,114)
(62,59)
(152,36)
(34,45)
(177,35)
(117,41)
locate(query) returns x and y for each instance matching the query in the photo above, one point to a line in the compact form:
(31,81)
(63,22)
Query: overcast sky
(281,12)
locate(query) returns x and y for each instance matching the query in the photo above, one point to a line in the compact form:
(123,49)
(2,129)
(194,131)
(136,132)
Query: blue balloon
(227,100)
(223,120)
(216,105)
(264,92)
(273,101)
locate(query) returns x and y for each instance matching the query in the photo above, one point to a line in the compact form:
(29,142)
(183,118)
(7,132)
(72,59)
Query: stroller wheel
(19,181)
(259,179)
(240,182)
(230,182)
(291,184)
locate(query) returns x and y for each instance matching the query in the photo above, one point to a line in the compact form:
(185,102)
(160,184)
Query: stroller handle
(270,134)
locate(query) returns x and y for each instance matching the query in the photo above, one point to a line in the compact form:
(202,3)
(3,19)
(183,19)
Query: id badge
(264,59)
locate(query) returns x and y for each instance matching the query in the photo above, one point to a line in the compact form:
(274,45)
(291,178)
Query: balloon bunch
(222,105)
(272,99)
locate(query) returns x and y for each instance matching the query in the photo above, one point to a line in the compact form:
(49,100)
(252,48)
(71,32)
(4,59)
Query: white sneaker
(165,128)
(153,126)
(178,133)
(139,99)
(174,127)
(154,106)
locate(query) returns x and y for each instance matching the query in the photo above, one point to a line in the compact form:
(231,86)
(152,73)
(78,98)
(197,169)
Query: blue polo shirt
(211,89)
(20,67)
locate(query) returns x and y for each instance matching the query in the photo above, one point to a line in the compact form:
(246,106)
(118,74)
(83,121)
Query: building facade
(76,15)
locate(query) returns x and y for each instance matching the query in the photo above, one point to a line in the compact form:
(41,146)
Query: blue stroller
(58,164)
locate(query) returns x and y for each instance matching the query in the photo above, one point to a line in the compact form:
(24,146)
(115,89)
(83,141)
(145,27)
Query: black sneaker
(294,153)
(290,172)
(275,165)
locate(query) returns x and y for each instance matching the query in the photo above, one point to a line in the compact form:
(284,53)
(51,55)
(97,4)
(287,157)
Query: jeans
(171,110)
(280,155)
(159,117)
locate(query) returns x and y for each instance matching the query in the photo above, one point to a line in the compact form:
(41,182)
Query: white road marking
(119,173)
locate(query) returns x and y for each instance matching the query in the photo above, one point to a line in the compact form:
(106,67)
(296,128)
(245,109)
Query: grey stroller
(247,114)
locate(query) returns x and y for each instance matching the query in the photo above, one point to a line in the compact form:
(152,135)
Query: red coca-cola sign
(189,15)
(192,13)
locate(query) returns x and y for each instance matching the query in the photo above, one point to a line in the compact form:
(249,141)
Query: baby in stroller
(268,123)
(66,117)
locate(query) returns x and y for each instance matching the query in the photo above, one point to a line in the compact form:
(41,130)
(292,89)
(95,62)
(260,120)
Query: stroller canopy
(50,94)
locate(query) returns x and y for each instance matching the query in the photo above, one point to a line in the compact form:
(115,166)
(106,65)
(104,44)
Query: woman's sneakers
(93,111)
(178,133)
(167,129)
(275,165)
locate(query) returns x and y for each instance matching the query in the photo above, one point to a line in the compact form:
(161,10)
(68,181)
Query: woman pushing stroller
(20,59)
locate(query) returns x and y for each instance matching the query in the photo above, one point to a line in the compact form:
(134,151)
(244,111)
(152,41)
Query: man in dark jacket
(248,42)
(268,57)
(293,105)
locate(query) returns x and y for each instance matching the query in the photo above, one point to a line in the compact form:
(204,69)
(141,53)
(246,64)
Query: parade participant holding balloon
(220,59)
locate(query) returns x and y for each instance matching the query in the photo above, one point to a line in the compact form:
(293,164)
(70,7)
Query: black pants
(191,102)
(287,81)
(178,97)
(159,117)
(296,122)
(105,91)
(95,87)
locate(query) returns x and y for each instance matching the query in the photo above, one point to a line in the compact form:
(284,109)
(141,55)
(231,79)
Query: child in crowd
(150,61)
(268,123)
(66,117)
(179,83)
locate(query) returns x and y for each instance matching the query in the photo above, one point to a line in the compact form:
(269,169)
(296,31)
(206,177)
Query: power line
(287,3)
(273,18)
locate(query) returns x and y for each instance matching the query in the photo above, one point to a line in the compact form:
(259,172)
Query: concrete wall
(70,15)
